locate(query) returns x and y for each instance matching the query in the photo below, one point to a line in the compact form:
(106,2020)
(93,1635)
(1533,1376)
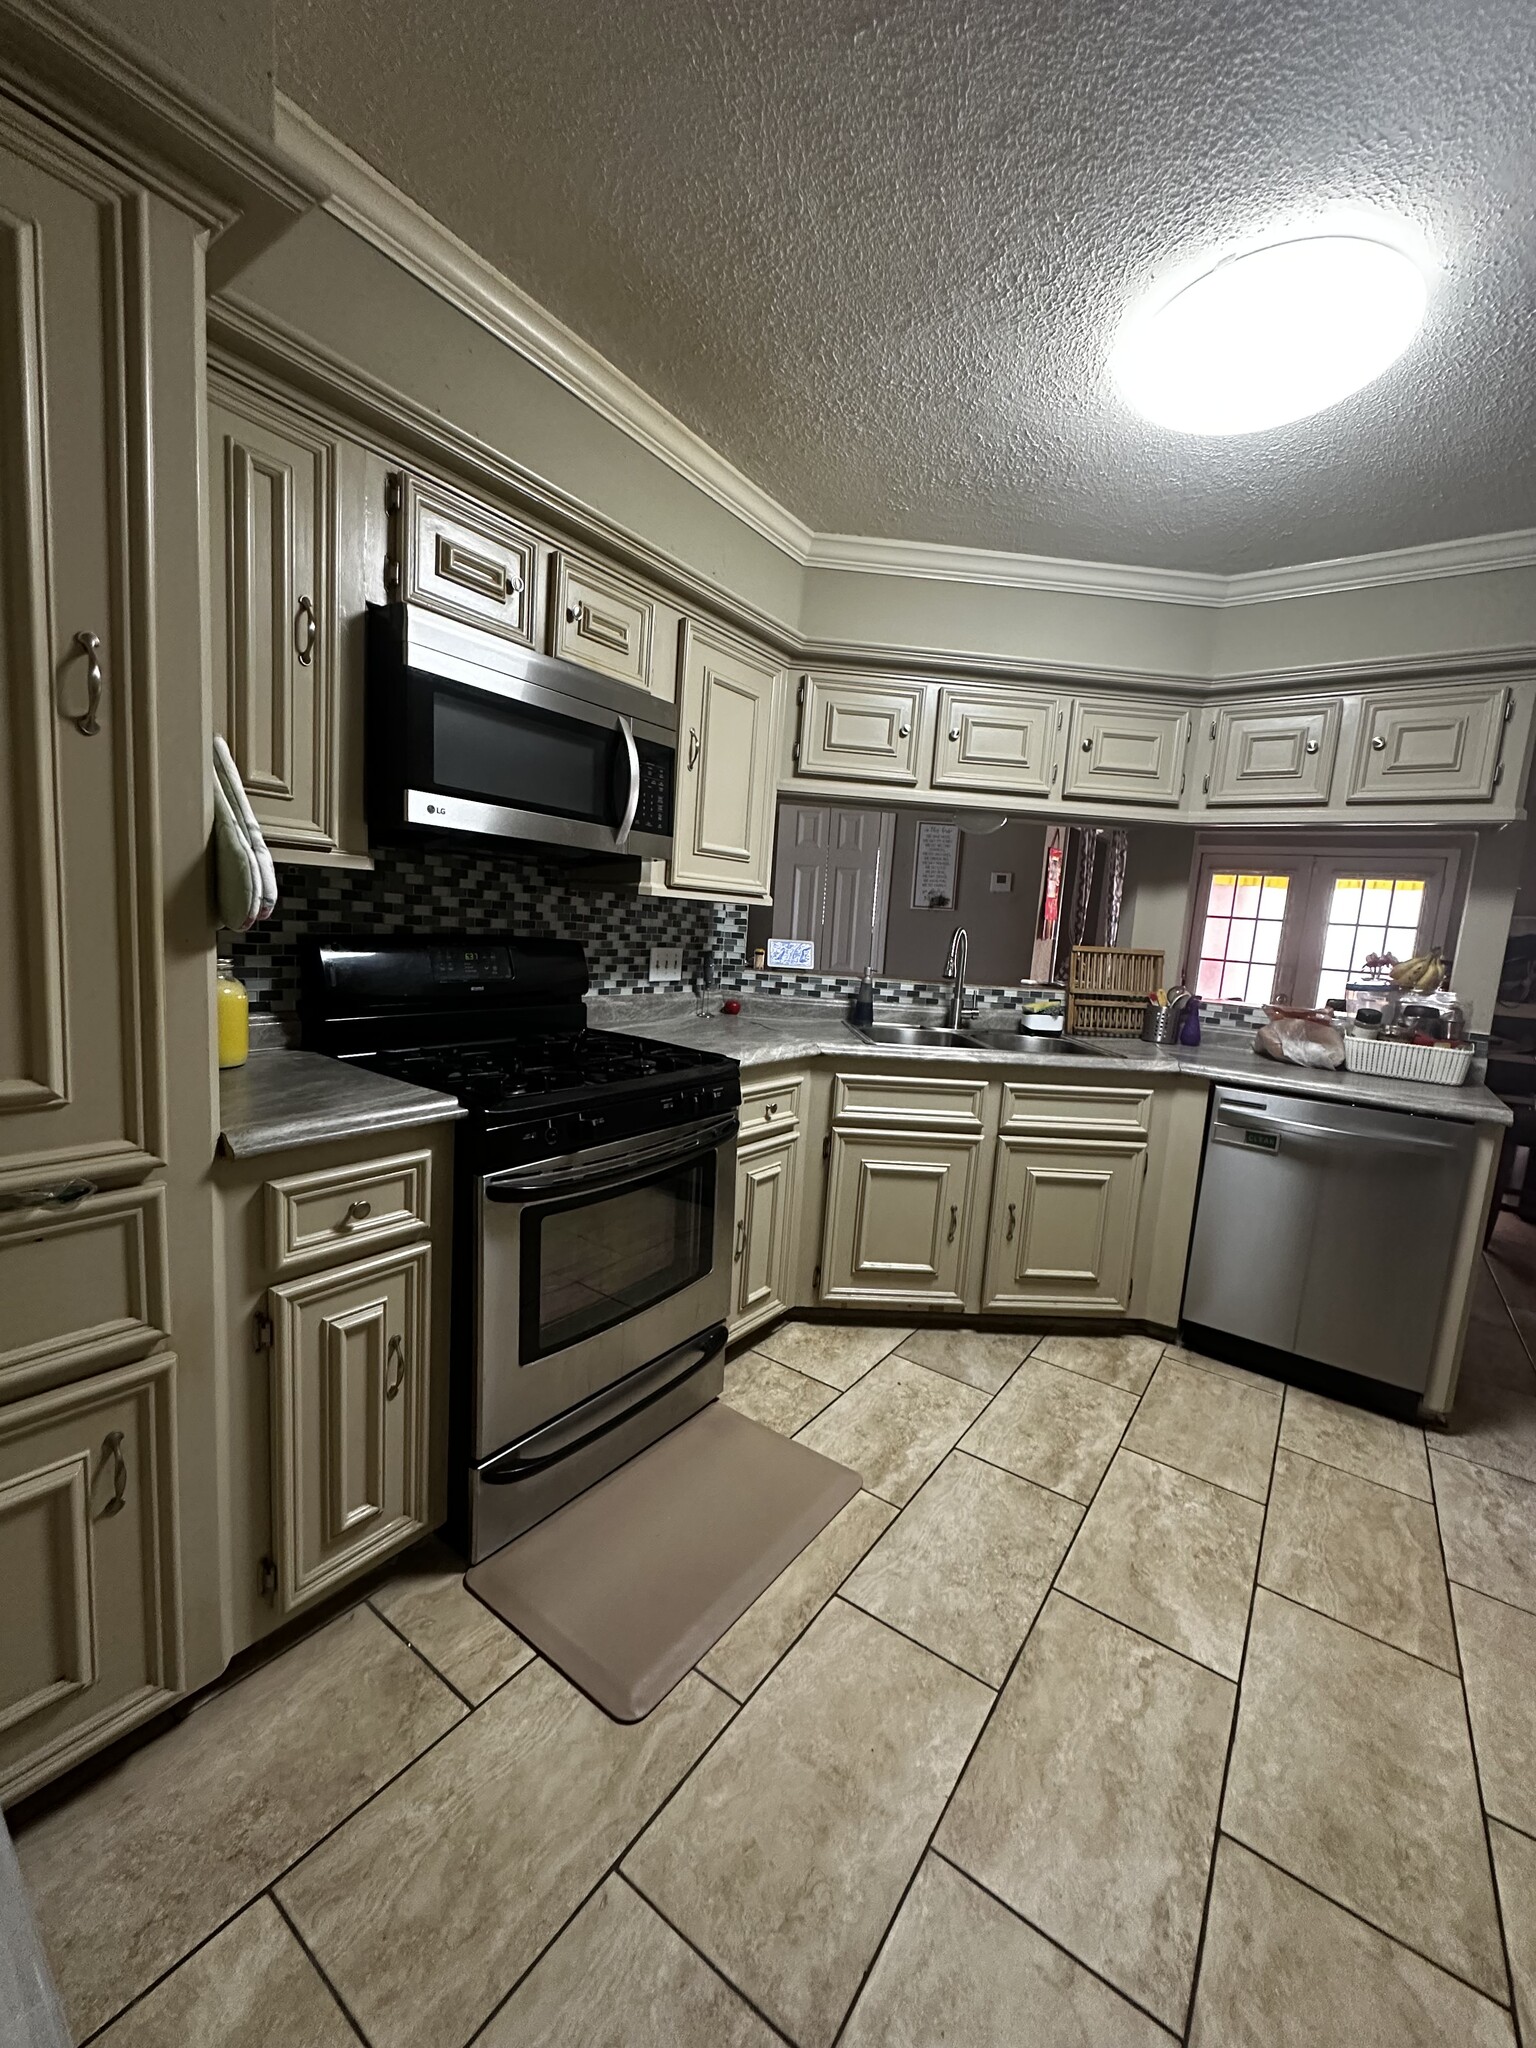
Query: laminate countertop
(773,1032)
(280,1099)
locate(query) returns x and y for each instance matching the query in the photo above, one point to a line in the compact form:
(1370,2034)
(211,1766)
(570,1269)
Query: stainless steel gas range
(594,1188)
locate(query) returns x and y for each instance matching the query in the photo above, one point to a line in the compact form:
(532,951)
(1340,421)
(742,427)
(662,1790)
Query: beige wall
(1156,903)
(1001,929)
(1387,622)
(225,50)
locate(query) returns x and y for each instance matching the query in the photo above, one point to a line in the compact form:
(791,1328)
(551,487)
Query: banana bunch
(1423,974)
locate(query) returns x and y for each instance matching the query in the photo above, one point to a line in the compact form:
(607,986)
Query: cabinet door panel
(82,1289)
(602,620)
(272,500)
(349,1420)
(1125,753)
(89,1565)
(461,558)
(728,704)
(859,731)
(1429,746)
(79,937)
(898,1218)
(994,739)
(1280,756)
(765,1232)
(1063,1228)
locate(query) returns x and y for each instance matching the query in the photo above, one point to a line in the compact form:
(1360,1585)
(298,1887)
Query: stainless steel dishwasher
(1325,1230)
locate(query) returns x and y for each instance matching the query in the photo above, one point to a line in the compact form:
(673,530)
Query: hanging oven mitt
(247,880)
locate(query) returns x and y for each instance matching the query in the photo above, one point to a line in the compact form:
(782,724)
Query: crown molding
(1475,555)
(375,209)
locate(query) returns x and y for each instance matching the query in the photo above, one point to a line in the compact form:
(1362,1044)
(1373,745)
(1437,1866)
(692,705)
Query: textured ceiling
(875,253)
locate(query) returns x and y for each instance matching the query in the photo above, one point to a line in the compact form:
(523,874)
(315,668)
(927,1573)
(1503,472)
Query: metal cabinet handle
(356,1211)
(693,746)
(741,1237)
(573,612)
(954,732)
(306,631)
(90,646)
(1013,1221)
(1087,746)
(62,1194)
(1378,744)
(904,732)
(772,1109)
(954,1223)
(1311,746)
(112,1448)
(394,1356)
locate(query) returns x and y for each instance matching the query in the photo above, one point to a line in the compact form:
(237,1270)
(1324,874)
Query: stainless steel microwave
(468,734)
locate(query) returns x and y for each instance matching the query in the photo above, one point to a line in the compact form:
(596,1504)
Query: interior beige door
(765,1232)
(1429,746)
(898,1218)
(728,734)
(1281,756)
(1125,753)
(79,927)
(272,489)
(1063,1229)
(349,1420)
(994,739)
(853,729)
(88,1567)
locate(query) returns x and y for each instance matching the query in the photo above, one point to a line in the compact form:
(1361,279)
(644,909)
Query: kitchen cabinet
(85,1286)
(1063,1225)
(461,557)
(90,1564)
(1273,754)
(349,1420)
(273,516)
(898,1218)
(1125,752)
(728,739)
(1429,746)
(767,1205)
(858,729)
(601,619)
(995,739)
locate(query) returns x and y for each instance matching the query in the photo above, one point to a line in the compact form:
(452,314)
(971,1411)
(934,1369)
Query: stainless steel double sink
(938,1037)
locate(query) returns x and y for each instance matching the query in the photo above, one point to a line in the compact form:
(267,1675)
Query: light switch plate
(1002,883)
(666,963)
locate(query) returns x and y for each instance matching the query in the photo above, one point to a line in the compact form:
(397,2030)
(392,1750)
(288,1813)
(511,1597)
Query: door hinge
(816,1280)
(795,753)
(392,495)
(1182,780)
(800,694)
(268,1580)
(261,1331)
(1498,775)
(1213,728)
(391,573)
(1509,705)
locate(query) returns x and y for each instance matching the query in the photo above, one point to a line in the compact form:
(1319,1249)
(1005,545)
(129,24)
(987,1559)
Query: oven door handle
(632,801)
(577,1179)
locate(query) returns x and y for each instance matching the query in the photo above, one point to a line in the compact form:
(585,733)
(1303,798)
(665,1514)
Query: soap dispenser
(863,1013)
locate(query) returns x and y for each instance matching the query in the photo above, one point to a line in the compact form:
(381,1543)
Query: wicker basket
(1445,1064)
(1107,989)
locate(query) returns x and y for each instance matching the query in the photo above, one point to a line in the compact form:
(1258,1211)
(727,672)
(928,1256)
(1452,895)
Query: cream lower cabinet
(89,1607)
(898,1218)
(763,1250)
(349,1420)
(728,712)
(1063,1227)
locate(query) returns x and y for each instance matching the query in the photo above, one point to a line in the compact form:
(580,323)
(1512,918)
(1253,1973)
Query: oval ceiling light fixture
(1271,334)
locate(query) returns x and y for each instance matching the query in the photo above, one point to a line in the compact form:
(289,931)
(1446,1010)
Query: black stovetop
(499,1075)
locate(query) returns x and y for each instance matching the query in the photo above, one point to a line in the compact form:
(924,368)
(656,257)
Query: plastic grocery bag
(1302,1041)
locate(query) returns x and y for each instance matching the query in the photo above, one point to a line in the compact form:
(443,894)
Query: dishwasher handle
(1238,1118)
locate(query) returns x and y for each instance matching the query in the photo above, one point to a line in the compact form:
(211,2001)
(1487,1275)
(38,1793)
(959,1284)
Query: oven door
(594,1266)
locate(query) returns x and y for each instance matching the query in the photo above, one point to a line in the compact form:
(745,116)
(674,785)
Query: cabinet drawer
(88,1559)
(908,1101)
(602,620)
(1280,756)
(1126,754)
(994,739)
(1042,1106)
(462,558)
(83,1288)
(857,731)
(1429,746)
(768,1110)
(348,1208)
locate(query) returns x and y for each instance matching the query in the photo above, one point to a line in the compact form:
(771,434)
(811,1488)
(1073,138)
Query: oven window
(531,760)
(594,1261)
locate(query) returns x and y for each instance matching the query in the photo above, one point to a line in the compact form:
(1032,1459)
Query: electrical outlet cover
(666,963)
(1002,883)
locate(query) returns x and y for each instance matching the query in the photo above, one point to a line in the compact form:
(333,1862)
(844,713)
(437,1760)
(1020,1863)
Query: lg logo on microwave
(437,810)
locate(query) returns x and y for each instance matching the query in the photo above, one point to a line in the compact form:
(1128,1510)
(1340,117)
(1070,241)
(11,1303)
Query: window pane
(1222,887)
(1240,945)
(1246,903)
(1402,940)
(1329,985)
(1345,907)
(1208,980)
(1234,983)
(1261,984)
(1214,944)
(1338,945)
(1272,902)
(1369,939)
(1266,940)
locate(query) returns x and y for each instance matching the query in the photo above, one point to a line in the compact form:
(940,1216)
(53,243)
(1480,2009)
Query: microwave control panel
(653,813)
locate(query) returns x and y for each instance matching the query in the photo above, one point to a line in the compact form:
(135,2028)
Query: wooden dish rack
(1107,989)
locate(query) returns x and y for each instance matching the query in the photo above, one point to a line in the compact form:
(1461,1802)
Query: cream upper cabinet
(601,619)
(1063,1227)
(350,1420)
(898,1218)
(89,1566)
(1279,754)
(728,741)
(1429,746)
(461,557)
(1125,753)
(994,740)
(859,729)
(273,513)
(763,1250)
(80,917)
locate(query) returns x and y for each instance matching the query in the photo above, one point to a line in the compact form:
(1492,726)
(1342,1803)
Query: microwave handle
(632,801)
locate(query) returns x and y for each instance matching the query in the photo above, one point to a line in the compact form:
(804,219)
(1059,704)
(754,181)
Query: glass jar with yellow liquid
(234,1014)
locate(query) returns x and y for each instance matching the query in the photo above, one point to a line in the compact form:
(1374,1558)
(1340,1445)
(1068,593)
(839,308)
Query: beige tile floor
(1132,1700)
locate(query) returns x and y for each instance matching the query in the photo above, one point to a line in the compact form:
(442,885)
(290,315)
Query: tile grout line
(1429,1664)
(1497,1598)
(317,1966)
(469,1704)
(713,1968)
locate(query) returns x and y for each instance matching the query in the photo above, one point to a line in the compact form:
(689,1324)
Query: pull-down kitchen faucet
(954,970)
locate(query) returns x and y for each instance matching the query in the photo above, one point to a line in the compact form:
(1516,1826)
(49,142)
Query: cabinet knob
(357,1210)
(772,1109)
(1087,746)
(1379,744)
(904,732)
(1311,746)
(954,732)
(573,612)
